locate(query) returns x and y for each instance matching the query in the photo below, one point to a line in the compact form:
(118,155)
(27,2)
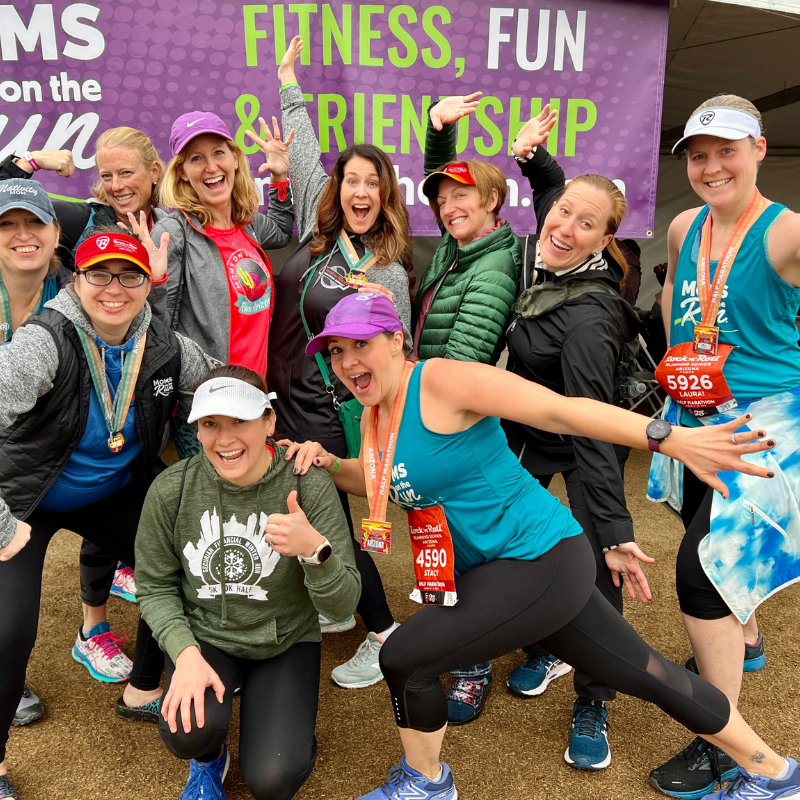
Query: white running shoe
(363,669)
(100,654)
(327,625)
(124,584)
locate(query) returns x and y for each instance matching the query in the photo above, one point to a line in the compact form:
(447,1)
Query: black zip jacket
(574,350)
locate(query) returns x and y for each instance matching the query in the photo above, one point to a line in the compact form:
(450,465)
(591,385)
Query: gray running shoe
(327,625)
(29,709)
(363,669)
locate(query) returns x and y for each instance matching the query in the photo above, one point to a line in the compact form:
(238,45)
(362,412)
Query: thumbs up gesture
(292,534)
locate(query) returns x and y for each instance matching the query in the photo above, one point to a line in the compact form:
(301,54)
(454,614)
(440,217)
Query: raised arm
(450,385)
(305,168)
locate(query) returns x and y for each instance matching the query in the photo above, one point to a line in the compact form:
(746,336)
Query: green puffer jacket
(474,286)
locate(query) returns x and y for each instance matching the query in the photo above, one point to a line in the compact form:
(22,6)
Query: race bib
(434,560)
(695,380)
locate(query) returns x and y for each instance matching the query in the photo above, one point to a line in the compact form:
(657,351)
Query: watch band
(28,156)
(654,444)
(528,157)
(315,559)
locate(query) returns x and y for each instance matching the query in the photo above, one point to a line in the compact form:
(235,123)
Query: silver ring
(623,574)
(269,543)
(733,438)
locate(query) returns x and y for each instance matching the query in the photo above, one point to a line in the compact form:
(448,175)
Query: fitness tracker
(321,554)
(657,431)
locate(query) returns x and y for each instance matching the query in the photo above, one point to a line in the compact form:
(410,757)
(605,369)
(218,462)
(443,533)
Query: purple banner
(72,70)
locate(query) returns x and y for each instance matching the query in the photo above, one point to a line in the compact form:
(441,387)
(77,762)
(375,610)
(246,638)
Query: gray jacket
(199,304)
(308,182)
(29,362)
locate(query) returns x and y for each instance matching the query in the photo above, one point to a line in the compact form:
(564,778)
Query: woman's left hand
(717,448)
(292,534)
(158,255)
(376,288)
(451,109)
(623,561)
(276,150)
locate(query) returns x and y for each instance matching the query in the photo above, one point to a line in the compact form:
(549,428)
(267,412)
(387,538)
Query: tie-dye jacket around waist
(753,548)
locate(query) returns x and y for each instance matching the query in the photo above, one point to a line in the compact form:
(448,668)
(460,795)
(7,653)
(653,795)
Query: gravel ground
(80,749)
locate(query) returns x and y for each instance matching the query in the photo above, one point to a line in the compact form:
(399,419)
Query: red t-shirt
(251,295)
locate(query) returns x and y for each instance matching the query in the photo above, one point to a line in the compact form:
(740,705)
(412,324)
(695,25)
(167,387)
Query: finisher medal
(115,442)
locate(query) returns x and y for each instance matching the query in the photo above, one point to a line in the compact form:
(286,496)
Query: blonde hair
(619,207)
(177,192)
(487,177)
(732,101)
(133,139)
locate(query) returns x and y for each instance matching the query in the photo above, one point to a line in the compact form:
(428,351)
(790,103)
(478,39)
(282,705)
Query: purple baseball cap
(188,126)
(358,316)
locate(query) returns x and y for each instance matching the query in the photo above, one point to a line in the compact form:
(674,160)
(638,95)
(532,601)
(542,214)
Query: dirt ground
(81,750)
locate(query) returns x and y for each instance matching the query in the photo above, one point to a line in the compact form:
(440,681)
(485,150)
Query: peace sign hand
(276,150)
(535,132)
(451,109)
(158,255)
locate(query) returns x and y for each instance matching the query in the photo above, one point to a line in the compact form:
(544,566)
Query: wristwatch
(657,431)
(321,554)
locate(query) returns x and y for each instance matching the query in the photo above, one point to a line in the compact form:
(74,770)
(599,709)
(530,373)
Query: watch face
(658,429)
(324,553)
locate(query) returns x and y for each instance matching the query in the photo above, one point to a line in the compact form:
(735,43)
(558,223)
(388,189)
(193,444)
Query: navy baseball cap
(27,194)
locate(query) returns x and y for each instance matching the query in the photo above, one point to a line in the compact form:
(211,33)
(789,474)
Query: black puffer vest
(35,450)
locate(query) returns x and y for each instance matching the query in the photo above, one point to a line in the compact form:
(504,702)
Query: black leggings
(111,524)
(97,574)
(697,596)
(505,604)
(278,715)
(585,685)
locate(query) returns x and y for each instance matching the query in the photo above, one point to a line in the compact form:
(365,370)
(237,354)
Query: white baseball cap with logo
(229,397)
(722,121)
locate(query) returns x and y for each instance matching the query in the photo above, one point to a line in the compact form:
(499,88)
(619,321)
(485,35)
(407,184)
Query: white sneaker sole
(339,627)
(602,765)
(362,685)
(564,669)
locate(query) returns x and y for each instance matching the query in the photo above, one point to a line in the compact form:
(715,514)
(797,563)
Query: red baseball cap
(457,171)
(105,246)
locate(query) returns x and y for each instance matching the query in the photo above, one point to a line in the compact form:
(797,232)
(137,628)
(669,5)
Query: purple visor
(357,316)
(189,126)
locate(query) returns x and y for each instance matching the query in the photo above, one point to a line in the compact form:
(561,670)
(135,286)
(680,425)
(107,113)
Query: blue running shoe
(588,744)
(206,777)
(754,657)
(535,674)
(760,787)
(405,783)
(467,698)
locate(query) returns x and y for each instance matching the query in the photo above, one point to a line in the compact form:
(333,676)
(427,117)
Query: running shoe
(760,787)
(695,771)
(124,584)
(467,698)
(363,669)
(754,657)
(535,674)
(206,777)
(100,654)
(331,626)
(149,712)
(6,789)
(29,709)
(405,783)
(588,743)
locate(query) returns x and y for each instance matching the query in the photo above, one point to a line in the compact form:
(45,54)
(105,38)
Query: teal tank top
(756,316)
(494,507)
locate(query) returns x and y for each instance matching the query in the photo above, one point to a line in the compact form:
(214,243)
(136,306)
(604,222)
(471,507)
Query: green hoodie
(268,601)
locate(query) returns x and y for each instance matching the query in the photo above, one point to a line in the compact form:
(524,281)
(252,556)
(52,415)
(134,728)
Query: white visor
(727,123)
(228,397)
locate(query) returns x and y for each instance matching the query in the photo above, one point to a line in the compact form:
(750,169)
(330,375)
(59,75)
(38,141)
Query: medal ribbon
(351,256)
(378,484)
(710,296)
(5,310)
(114,412)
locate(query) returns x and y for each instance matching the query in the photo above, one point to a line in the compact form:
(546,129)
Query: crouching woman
(239,556)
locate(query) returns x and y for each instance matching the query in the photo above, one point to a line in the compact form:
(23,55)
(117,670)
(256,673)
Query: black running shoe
(694,772)
(150,712)
(29,709)
(754,658)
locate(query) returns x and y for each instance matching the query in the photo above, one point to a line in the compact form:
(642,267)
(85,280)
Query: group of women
(245,551)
